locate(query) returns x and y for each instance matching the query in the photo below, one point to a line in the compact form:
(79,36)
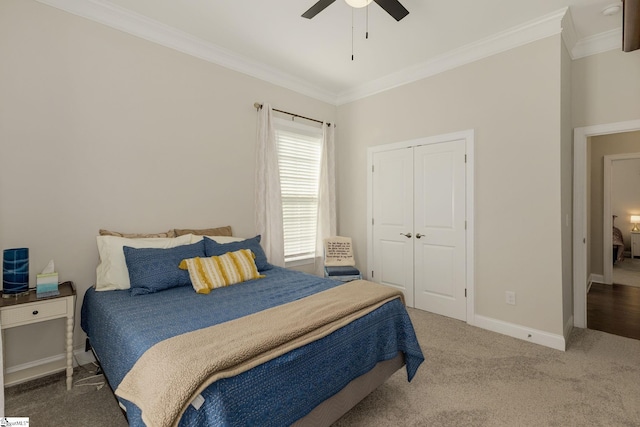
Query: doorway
(621,199)
(581,234)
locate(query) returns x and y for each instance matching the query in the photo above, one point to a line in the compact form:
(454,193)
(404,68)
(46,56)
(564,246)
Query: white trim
(35,363)
(516,331)
(592,45)
(125,20)
(569,33)
(607,215)
(520,35)
(603,42)
(42,367)
(141,26)
(607,223)
(83,357)
(568,327)
(595,278)
(580,136)
(469,137)
(133,23)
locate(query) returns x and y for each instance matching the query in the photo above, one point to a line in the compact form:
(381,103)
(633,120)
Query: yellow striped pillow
(218,271)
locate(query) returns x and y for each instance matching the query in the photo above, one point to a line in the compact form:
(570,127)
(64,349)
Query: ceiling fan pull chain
(367,31)
(352,34)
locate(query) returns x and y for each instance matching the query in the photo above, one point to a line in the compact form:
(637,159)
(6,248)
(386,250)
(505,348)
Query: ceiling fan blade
(393,8)
(317,8)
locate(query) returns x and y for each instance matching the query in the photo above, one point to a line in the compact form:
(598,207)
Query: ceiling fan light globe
(358,3)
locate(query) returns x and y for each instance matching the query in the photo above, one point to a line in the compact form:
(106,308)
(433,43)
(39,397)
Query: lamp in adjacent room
(15,272)
(635,219)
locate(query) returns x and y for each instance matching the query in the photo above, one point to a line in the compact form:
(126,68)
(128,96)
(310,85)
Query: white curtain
(268,198)
(326,196)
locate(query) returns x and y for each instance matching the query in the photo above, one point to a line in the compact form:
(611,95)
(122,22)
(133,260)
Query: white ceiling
(317,52)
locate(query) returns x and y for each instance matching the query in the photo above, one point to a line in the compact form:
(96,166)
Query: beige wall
(100,129)
(512,100)
(600,146)
(606,88)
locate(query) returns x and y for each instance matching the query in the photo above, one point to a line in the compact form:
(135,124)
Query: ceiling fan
(392,7)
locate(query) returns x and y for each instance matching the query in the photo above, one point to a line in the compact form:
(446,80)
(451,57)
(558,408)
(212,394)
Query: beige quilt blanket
(170,374)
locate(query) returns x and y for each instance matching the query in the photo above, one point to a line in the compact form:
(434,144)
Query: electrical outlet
(510,297)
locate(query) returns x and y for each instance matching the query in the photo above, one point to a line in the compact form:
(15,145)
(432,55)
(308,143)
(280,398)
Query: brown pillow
(169,233)
(220,231)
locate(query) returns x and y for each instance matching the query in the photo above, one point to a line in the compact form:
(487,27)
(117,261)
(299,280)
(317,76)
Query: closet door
(439,227)
(393,220)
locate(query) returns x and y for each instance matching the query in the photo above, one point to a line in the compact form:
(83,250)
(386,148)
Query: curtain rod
(258,106)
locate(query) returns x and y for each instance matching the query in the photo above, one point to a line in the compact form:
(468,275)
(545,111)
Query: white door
(392,226)
(439,229)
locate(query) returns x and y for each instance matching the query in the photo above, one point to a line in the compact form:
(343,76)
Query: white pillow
(112,272)
(219,239)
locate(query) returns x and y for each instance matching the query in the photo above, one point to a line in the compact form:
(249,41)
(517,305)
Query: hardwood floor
(614,309)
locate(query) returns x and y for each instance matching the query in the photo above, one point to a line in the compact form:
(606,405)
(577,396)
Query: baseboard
(41,368)
(597,278)
(568,327)
(517,331)
(83,357)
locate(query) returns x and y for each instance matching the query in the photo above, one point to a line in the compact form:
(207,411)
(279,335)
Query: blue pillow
(152,270)
(213,248)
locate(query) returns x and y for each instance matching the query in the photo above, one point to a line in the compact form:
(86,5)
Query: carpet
(470,377)
(627,272)
(47,402)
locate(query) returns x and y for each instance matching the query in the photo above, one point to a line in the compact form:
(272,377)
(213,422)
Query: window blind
(299,150)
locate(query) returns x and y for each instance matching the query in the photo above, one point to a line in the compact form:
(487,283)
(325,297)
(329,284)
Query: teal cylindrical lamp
(15,272)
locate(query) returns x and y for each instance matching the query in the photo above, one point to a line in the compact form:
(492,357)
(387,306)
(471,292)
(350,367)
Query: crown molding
(581,47)
(140,26)
(599,43)
(528,32)
(569,34)
(122,19)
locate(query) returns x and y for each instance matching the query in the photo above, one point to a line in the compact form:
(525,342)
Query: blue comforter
(121,327)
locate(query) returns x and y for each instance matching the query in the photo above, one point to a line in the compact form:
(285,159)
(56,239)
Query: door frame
(607,216)
(580,279)
(469,137)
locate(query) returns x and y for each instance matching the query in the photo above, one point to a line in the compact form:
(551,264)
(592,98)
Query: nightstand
(26,310)
(635,244)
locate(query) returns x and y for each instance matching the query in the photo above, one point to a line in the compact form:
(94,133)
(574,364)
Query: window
(299,151)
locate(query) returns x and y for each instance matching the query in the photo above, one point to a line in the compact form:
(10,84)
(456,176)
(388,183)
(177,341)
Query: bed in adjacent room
(618,242)
(280,349)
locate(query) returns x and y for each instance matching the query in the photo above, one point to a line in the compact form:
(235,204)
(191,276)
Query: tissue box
(47,285)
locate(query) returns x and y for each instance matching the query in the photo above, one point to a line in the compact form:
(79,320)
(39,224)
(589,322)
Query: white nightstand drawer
(27,313)
(635,244)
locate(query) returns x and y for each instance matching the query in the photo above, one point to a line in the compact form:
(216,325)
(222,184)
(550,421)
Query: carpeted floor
(471,377)
(47,402)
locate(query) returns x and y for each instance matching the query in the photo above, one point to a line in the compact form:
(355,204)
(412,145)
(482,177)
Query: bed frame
(342,402)
(329,411)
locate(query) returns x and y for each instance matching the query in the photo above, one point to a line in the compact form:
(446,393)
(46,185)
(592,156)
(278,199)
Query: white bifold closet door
(419,232)
(393,220)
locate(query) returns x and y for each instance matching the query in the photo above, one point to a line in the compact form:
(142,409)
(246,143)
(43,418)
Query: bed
(618,243)
(311,379)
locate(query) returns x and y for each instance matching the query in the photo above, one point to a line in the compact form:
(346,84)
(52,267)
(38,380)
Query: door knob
(419,235)
(408,235)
